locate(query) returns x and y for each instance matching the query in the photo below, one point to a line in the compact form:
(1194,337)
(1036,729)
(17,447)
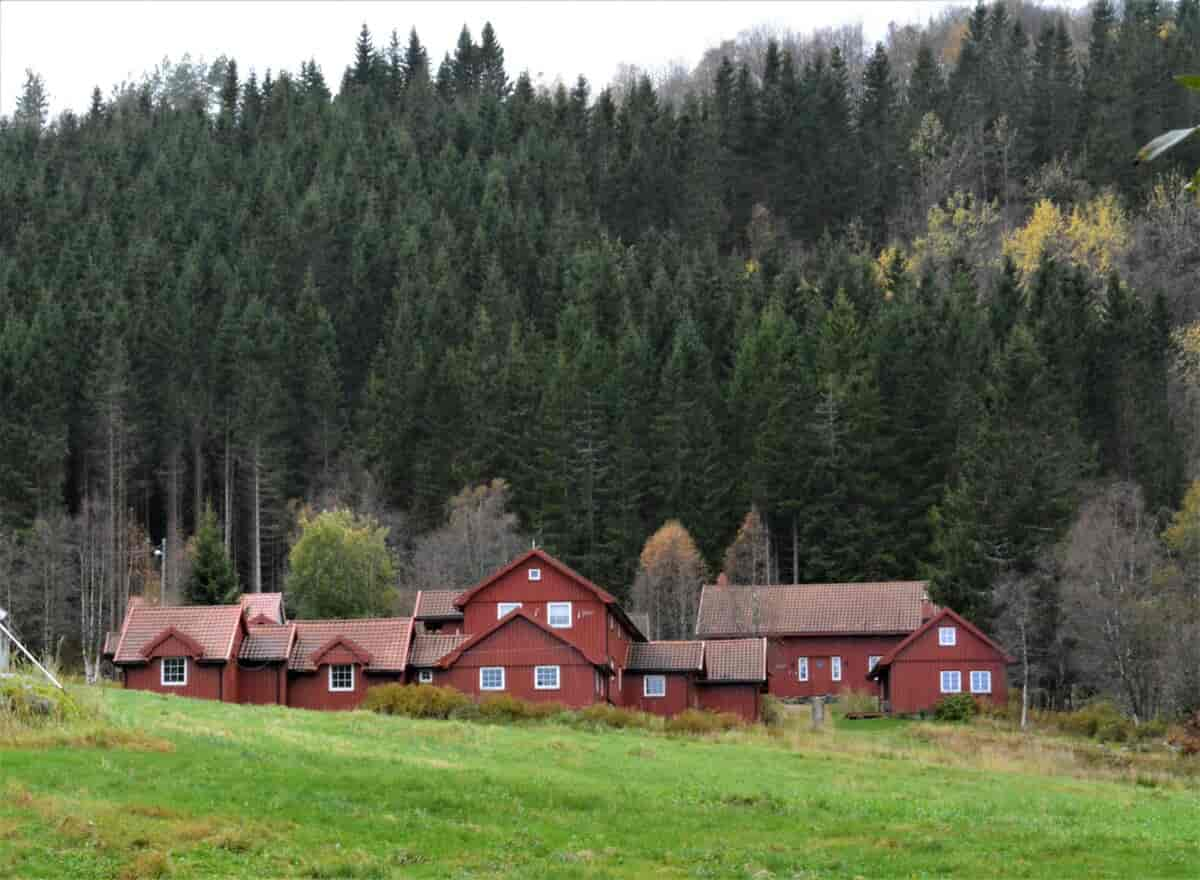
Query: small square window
(341,677)
(947,636)
(951,682)
(491,678)
(535,574)
(174,671)
(802,668)
(872,662)
(654,686)
(425,676)
(504,608)
(545,678)
(558,615)
(836,668)
(981,682)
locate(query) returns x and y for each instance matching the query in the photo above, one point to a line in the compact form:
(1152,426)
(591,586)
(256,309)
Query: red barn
(946,655)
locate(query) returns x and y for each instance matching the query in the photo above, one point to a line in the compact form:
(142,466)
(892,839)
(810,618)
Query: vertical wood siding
(263,685)
(203,682)
(740,699)
(915,679)
(783,654)
(681,694)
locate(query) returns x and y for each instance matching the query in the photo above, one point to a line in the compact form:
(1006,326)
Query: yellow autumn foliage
(1025,246)
(961,228)
(1095,235)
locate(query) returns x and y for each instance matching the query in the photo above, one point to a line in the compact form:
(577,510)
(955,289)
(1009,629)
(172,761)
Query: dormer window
(174,671)
(535,574)
(947,636)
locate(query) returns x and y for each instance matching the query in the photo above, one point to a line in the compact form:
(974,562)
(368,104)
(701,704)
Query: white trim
(425,676)
(537,685)
(802,669)
(503,608)
(334,689)
(947,636)
(985,675)
(550,606)
(952,685)
(162,673)
(483,669)
(535,574)
(646,679)
(835,668)
(872,662)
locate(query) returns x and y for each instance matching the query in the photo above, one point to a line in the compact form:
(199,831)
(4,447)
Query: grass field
(167,787)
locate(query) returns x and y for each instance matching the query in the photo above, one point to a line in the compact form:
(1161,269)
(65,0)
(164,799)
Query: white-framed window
(872,662)
(654,685)
(599,683)
(491,678)
(535,574)
(981,682)
(947,636)
(503,608)
(174,671)
(558,614)
(425,676)
(802,668)
(545,678)
(341,677)
(951,681)
(835,671)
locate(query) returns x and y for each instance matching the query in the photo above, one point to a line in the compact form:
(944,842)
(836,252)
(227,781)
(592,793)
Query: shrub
(602,714)
(30,702)
(701,721)
(1187,736)
(415,701)
(955,707)
(1091,719)
(854,702)
(502,707)
(772,712)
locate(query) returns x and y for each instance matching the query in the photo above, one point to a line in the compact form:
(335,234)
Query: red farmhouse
(535,629)
(823,639)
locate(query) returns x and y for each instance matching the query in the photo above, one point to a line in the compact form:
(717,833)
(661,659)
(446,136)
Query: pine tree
(493,80)
(878,144)
(212,580)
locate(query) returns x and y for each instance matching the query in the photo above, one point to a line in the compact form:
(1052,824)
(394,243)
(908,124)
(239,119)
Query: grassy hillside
(172,787)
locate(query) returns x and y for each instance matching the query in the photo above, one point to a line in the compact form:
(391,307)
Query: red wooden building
(824,639)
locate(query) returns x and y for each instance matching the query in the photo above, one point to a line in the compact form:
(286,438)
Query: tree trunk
(174,544)
(227,513)
(256,552)
(795,550)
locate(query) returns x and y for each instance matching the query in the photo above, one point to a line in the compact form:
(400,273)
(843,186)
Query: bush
(415,701)
(771,712)
(956,707)
(701,721)
(854,702)
(1093,719)
(502,707)
(1187,736)
(30,702)
(602,714)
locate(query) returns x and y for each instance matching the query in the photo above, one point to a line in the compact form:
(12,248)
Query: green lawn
(199,789)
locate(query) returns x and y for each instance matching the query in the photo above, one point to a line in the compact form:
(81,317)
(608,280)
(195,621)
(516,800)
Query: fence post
(818,712)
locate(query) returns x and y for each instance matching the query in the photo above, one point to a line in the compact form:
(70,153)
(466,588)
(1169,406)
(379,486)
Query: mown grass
(185,789)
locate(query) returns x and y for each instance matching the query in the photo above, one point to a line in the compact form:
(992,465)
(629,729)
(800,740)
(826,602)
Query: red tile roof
(436,605)
(213,627)
(665,657)
(735,660)
(520,614)
(429,648)
(385,639)
(267,642)
(264,604)
(812,609)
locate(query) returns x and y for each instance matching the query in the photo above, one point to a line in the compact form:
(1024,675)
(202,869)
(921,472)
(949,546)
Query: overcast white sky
(77,45)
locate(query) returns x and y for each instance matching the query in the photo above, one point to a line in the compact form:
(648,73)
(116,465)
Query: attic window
(174,671)
(947,636)
(504,608)
(535,574)
(341,677)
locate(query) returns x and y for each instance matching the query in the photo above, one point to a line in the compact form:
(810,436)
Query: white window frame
(835,668)
(550,606)
(947,636)
(537,685)
(646,692)
(486,669)
(535,574)
(956,678)
(425,676)
(162,673)
(872,662)
(802,669)
(503,608)
(334,689)
(985,675)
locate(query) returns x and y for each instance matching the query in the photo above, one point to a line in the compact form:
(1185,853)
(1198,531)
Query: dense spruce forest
(915,307)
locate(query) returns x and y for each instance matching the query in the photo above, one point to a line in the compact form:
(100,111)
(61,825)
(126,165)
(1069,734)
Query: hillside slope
(194,789)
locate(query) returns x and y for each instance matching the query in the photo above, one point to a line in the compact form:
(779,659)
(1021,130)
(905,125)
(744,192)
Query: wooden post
(3,646)
(818,712)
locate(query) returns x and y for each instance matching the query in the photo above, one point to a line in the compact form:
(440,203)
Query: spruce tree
(213,580)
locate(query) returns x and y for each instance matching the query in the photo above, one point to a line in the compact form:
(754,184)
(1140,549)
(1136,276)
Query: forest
(851,312)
